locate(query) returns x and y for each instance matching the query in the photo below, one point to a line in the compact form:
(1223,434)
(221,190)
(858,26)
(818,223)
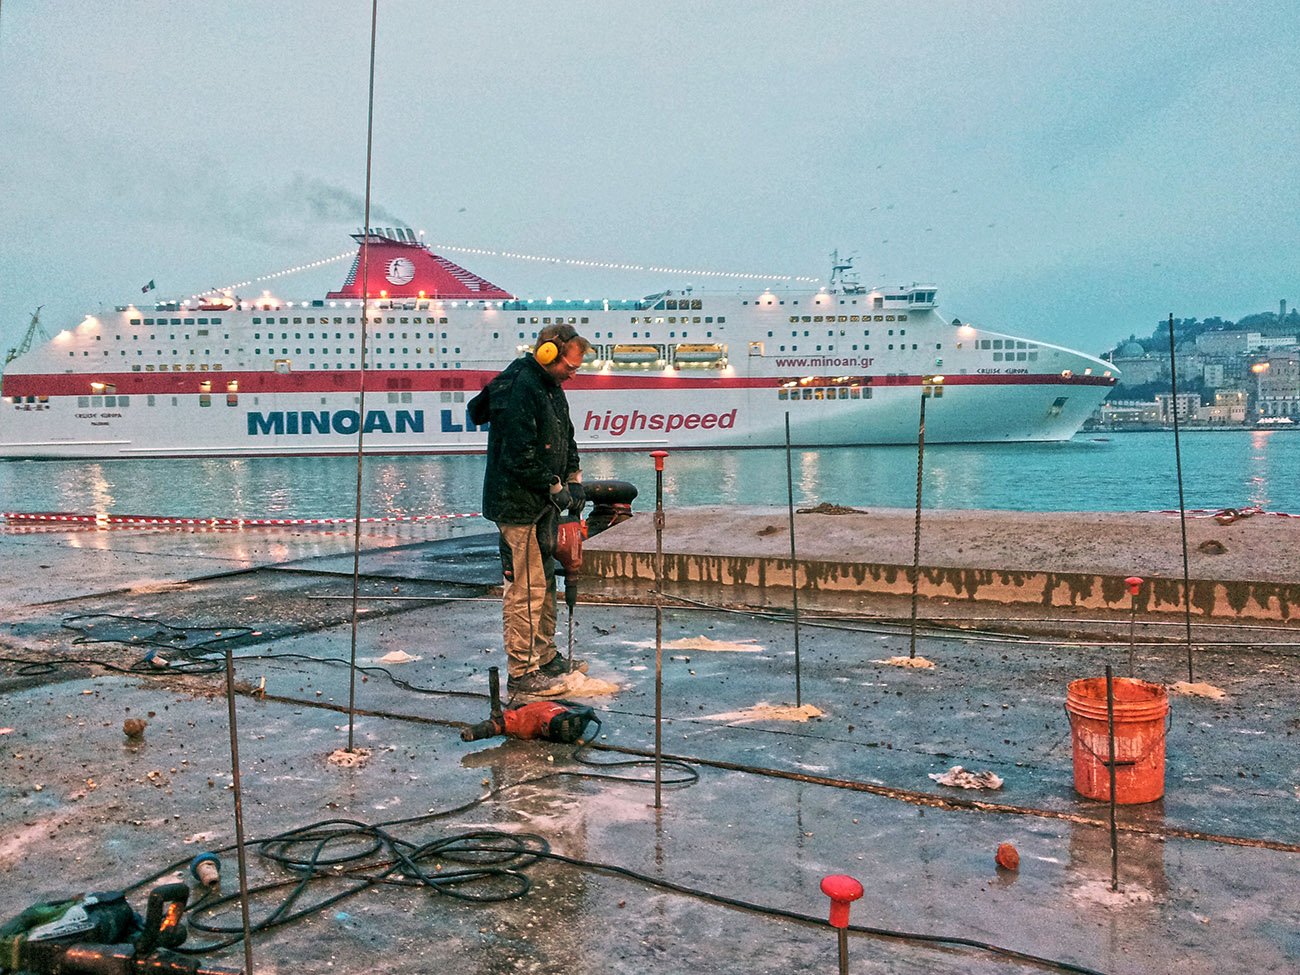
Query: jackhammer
(99,934)
(560,721)
(568,552)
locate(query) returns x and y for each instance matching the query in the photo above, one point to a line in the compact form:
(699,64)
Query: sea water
(1119,472)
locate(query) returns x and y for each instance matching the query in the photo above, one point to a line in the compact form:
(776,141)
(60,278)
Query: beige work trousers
(528,602)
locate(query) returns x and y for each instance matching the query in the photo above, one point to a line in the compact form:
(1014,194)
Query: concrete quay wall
(626,573)
(1246,571)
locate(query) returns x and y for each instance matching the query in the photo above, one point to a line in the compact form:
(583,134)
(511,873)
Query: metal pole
(844,950)
(1182,506)
(1134,584)
(1110,734)
(794,562)
(1132,628)
(659,456)
(239,810)
(916,529)
(361,386)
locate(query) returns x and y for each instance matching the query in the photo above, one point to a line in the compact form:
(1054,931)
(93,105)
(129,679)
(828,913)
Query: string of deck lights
(615,266)
(276,274)
(514,255)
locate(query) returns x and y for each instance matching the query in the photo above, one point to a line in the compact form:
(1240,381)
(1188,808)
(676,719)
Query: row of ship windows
(157,351)
(796,319)
(350,320)
(171,337)
(205,399)
(830,333)
(176,321)
(1031,356)
(232,399)
(823,393)
(877,301)
(677,320)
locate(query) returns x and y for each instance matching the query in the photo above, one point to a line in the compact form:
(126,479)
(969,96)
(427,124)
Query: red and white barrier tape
(158,521)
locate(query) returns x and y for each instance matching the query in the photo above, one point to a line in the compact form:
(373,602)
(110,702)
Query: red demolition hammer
(561,721)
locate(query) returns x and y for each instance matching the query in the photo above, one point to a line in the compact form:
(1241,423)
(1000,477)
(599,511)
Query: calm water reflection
(1124,472)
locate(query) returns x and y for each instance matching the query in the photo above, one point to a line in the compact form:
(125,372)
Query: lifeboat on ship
(697,353)
(635,355)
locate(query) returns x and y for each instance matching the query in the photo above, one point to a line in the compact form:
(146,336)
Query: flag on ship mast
(148,287)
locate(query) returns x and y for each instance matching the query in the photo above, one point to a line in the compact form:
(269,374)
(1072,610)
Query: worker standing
(532,476)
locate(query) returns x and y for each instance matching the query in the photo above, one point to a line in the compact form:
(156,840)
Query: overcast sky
(1072,171)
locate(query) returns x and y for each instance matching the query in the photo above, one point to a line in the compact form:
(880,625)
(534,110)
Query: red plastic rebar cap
(842,890)
(1134,584)
(659,456)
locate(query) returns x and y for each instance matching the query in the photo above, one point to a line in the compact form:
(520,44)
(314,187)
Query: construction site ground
(792,758)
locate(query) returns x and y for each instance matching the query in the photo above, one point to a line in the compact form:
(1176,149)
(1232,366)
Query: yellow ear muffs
(549,350)
(546,353)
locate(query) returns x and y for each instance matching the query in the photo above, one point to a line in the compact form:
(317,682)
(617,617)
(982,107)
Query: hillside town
(1229,375)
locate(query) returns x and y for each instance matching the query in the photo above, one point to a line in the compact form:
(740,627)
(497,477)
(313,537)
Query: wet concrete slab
(1206,875)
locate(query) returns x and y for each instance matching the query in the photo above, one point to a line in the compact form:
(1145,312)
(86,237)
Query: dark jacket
(530,441)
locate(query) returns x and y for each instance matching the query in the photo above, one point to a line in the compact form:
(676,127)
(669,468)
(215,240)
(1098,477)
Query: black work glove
(578,498)
(560,496)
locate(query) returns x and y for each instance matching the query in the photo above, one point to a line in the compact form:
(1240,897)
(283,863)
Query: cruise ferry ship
(225,375)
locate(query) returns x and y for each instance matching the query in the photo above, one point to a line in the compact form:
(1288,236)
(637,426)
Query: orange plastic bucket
(1140,710)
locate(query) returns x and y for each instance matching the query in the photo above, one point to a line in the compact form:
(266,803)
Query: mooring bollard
(842,890)
(659,456)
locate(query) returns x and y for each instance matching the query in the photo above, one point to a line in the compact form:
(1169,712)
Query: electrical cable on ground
(43,668)
(492,865)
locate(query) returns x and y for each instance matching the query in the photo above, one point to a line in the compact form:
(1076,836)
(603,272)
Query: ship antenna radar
(843,276)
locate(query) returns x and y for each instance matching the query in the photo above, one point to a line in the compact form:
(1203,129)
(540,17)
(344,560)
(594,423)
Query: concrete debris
(916,662)
(396,657)
(959,778)
(704,643)
(580,685)
(826,508)
(763,711)
(1099,892)
(1198,690)
(133,728)
(349,759)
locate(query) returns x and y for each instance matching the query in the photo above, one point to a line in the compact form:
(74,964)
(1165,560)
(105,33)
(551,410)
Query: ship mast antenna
(844,277)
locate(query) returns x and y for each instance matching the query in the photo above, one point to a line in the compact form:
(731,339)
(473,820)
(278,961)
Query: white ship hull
(271,378)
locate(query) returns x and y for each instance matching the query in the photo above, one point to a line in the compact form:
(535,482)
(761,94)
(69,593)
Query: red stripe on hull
(467,380)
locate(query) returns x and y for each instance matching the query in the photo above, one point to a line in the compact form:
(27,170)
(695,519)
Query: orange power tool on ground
(561,721)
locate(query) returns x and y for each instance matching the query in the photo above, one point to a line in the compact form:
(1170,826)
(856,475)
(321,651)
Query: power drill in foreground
(560,721)
(99,934)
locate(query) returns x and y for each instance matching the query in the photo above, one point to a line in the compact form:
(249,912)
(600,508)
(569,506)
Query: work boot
(536,683)
(558,666)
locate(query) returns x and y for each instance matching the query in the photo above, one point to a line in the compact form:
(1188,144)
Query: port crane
(33,331)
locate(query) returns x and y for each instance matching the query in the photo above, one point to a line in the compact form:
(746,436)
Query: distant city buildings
(1226,377)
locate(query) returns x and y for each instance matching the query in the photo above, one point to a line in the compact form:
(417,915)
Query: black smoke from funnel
(334,204)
